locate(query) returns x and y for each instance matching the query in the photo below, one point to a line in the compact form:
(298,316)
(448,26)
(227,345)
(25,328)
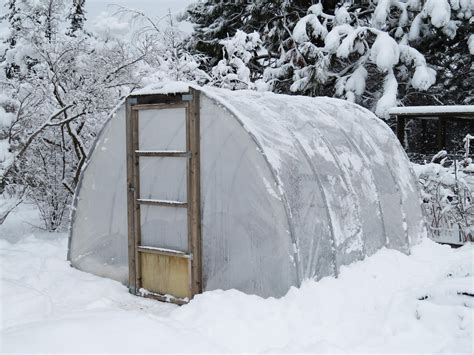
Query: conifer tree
(77,17)
(14,21)
(337,48)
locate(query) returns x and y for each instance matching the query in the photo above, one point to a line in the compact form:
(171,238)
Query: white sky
(154,8)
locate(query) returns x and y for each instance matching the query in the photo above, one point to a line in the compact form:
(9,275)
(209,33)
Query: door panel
(163,178)
(164,227)
(163,129)
(166,274)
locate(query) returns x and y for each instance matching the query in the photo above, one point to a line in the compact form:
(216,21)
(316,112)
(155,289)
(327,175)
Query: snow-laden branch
(50,122)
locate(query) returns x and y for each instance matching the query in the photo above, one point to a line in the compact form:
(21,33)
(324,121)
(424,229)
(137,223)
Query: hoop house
(191,189)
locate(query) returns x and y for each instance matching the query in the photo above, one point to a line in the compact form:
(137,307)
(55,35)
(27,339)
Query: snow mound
(390,302)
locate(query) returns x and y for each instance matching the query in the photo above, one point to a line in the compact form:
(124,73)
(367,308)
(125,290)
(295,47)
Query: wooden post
(136,196)
(130,197)
(194,197)
(401,130)
(441,135)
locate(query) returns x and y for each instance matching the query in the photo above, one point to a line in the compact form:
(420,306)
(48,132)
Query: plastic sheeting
(291,188)
(344,179)
(98,241)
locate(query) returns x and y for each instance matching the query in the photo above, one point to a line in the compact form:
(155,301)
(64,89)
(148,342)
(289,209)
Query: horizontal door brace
(164,203)
(159,106)
(163,153)
(163,251)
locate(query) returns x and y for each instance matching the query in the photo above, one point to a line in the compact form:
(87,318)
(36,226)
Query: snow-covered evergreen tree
(232,71)
(217,20)
(77,17)
(352,52)
(376,53)
(13,19)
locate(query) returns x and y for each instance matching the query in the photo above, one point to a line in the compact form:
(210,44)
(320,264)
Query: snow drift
(387,303)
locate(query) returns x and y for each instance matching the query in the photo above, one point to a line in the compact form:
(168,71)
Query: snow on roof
(276,121)
(333,136)
(164,88)
(445,109)
(270,118)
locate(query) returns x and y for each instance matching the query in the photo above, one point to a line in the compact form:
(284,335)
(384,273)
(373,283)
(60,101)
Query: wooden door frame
(189,101)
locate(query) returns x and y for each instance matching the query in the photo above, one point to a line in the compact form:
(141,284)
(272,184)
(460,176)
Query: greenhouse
(190,189)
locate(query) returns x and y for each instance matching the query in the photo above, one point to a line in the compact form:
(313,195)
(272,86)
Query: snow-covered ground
(389,302)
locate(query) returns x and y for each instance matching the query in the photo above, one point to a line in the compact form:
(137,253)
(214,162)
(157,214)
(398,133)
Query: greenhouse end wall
(99,234)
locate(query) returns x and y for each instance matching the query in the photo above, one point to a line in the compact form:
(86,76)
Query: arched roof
(340,171)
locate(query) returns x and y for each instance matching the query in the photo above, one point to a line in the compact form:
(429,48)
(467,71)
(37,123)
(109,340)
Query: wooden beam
(163,106)
(163,153)
(401,130)
(194,196)
(130,198)
(158,99)
(431,115)
(164,203)
(163,298)
(136,192)
(162,251)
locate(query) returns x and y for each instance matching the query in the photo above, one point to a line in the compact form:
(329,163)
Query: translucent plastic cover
(98,237)
(163,129)
(291,188)
(344,179)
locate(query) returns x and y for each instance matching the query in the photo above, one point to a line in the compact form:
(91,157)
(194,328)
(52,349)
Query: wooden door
(164,196)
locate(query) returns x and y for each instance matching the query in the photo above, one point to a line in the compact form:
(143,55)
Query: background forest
(59,79)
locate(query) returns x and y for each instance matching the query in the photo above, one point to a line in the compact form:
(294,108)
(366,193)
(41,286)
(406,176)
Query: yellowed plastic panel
(165,274)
